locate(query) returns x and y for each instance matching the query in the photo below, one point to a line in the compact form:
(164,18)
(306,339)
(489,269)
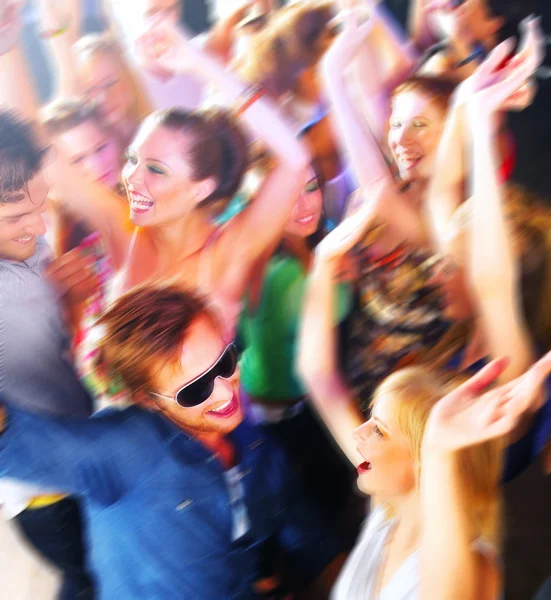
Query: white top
(241,524)
(359,577)
(360,574)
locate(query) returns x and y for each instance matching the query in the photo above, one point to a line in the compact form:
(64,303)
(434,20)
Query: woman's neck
(181,238)
(298,247)
(417,192)
(407,511)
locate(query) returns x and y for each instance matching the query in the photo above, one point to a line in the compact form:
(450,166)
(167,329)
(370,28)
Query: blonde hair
(529,219)
(93,44)
(415,391)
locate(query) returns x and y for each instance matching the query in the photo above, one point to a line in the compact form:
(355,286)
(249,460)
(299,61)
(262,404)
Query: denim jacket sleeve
(87,457)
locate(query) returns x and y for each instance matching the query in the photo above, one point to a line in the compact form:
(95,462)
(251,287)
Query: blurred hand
(349,42)
(10,24)
(73,276)
(54,16)
(470,415)
(351,230)
(165,48)
(493,87)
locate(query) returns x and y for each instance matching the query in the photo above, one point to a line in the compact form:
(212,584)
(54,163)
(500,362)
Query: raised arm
(419,28)
(317,355)
(368,162)
(95,204)
(262,222)
(445,193)
(16,90)
(385,60)
(466,418)
(492,264)
(361,146)
(60,24)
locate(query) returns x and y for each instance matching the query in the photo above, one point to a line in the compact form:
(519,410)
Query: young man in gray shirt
(35,362)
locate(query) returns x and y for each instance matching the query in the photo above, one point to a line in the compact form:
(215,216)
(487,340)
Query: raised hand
(165,48)
(344,237)
(494,87)
(55,15)
(9,24)
(73,276)
(470,415)
(347,45)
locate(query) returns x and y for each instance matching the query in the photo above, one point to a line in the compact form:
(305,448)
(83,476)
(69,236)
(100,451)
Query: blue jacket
(157,506)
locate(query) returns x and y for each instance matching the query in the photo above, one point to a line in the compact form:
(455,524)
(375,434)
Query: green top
(269,333)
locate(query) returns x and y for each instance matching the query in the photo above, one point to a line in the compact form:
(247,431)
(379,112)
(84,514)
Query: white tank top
(360,574)
(359,577)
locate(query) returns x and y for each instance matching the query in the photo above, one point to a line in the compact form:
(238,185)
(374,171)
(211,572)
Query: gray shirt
(35,365)
(36,372)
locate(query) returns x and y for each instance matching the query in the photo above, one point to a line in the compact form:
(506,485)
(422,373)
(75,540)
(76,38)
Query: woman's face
(470,21)
(306,214)
(94,151)
(157,177)
(416,126)
(107,86)
(388,470)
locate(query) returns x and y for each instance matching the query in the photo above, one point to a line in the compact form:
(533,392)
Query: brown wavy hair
(145,329)
(294,40)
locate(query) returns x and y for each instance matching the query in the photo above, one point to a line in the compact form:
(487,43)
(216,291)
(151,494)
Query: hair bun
(218,150)
(234,155)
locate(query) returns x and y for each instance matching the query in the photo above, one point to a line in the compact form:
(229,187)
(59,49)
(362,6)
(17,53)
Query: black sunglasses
(199,389)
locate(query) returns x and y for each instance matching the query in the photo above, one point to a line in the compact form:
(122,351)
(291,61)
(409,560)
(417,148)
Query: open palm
(352,38)
(470,415)
(165,47)
(507,87)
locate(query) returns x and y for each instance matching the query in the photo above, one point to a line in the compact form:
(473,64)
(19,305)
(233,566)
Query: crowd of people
(273,308)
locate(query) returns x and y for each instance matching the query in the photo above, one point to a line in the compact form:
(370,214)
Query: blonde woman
(109,81)
(435,474)
(412,453)
(94,67)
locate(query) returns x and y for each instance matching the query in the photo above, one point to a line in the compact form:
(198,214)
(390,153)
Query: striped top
(36,372)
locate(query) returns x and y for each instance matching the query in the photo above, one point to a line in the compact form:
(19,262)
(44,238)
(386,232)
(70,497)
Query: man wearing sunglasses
(180,493)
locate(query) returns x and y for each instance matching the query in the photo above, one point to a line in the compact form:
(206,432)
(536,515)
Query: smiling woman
(182,160)
(109,81)
(419,108)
